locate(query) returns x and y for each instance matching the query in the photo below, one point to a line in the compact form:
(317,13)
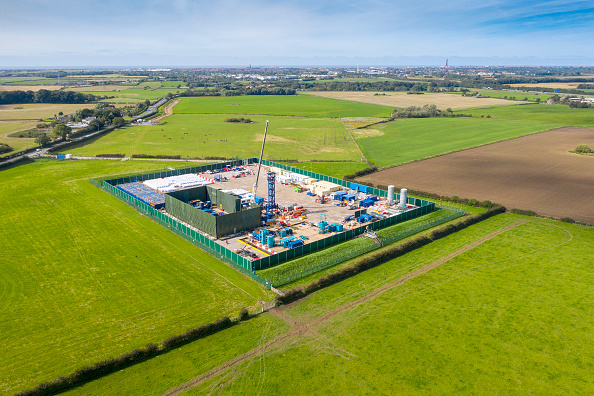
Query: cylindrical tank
(391,195)
(403,198)
(270,241)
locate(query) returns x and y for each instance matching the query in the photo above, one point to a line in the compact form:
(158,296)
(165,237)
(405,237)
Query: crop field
(558,85)
(27,81)
(560,115)
(194,135)
(33,88)
(36,111)
(83,276)
(501,307)
(534,172)
(290,105)
(99,88)
(413,139)
(402,99)
(122,93)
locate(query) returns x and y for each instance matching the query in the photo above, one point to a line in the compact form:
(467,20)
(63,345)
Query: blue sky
(308,32)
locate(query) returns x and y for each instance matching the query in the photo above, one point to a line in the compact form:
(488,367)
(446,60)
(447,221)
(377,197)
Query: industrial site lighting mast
(255,188)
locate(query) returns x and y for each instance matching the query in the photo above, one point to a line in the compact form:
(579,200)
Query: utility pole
(255,188)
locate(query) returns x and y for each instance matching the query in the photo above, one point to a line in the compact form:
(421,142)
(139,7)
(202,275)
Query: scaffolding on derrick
(271,204)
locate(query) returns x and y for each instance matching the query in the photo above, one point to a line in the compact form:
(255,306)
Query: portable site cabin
(324,188)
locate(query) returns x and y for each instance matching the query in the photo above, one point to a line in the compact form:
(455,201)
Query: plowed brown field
(534,172)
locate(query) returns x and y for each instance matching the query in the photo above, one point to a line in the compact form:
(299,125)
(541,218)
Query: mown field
(195,135)
(547,114)
(127,93)
(413,139)
(510,315)
(84,276)
(291,105)
(18,144)
(20,117)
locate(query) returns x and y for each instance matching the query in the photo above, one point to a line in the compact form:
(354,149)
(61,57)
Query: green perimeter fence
(244,265)
(218,251)
(292,274)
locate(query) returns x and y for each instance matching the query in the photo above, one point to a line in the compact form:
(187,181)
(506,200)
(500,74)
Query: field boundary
(293,274)
(306,327)
(379,169)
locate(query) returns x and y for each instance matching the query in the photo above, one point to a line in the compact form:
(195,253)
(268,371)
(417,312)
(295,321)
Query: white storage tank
(403,198)
(391,195)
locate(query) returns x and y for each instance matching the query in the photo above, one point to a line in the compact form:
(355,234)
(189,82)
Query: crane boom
(259,165)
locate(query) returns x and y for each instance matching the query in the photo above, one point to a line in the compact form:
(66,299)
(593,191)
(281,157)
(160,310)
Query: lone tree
(42,139)
(5,148)
(118,122)
(62,131)
(583,149)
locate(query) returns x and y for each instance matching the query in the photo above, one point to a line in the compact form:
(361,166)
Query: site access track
(168,110)
(308,327)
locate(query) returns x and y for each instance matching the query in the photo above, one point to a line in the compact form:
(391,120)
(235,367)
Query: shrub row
(110,155)
(361,173)
(156,156)
(239,120)
(111,365)
(196,333)
(524,212)
(383,256)
(454,199)
(534,214)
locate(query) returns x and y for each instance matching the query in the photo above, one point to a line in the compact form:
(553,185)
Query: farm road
(167,111)
(308,327)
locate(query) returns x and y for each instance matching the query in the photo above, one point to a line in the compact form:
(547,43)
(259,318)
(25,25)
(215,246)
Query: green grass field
(546,114)
(291,105)
(83,276)
(194,135)
(413,139)
(509,316)
(135,93)
(172,84)
(334,169)
(17,144)
(493,93)
(182,364)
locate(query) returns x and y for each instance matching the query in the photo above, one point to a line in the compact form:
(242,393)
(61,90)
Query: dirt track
(167,111)
(534,172)
(308,327)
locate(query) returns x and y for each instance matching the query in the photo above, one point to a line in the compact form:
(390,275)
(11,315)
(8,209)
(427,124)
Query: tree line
(45,96)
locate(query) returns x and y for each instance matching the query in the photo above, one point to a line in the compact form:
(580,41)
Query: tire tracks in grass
(306,327)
